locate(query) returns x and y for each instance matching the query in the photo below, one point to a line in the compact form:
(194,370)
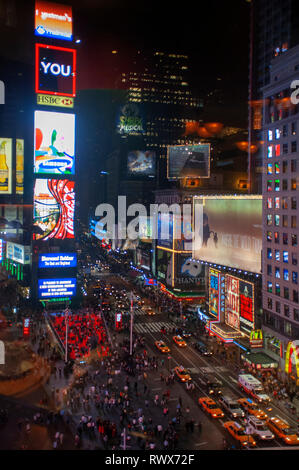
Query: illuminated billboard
(54,205)
(142,163)
(57,260)
(164,266)
(232,302)
(143,259)
(247,319)
(51,288)
(5,165)
(231,231)
(189,272)
(19,166)
(214,292)
(53,20)
(165,230)
(18,253)
(54,143)
(55,70)
(182,233)
(188,161)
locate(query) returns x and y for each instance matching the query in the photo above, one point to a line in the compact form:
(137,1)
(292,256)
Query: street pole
(131,326)
(125,440)
(66,333)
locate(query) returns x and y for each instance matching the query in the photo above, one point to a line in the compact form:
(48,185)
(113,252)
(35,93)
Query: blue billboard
(57,260)
(52,288)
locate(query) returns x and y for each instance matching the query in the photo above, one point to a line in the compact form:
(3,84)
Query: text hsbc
(56,69)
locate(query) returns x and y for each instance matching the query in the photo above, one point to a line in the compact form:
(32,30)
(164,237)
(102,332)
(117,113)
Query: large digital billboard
(53,20)
(216,294)
(189,272)
(54,206)
(5,165)
(165,230)
(247,320)
(231,231)
(232,309)
(142,163)
(57,260)
(188,161)
(164,266)
(54,143)
(51,288)
(55,70)
(143,259)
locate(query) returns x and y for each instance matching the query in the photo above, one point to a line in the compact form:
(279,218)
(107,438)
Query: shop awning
(259,360)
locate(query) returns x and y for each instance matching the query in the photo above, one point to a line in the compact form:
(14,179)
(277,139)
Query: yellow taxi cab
(211,407)
(239,434)
(182,374)
(179,341)
(283,430)
(252,408)
(162,346)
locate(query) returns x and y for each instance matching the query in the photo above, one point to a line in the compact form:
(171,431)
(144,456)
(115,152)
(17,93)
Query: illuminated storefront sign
(256,339)
(232,302)
(18,253)
(55,70)
(57,260)
(26,326)
(53,20)
(54,206)
(49,288)
(246,296)
(19,166)
(54,143)
(292,357)
(51,100)
(216,293)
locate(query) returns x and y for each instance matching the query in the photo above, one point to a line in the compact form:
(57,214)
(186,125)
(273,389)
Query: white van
(259,429)
(253,387)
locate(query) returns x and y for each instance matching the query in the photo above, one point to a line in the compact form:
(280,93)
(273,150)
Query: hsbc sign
(55,70)
(51,100)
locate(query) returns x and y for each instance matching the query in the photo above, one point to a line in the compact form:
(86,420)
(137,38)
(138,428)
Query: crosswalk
(152,327)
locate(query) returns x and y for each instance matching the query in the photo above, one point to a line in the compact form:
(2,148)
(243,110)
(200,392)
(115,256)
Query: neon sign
(292,352)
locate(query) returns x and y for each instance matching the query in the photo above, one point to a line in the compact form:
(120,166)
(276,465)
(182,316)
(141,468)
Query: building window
(270,135)
(294,203)
(277,307)
(285,220)
(269,286)
(288,328)
(286,293)
(294,239)
(293,128)
(296,314)
(277,289)
(284,185)
(277,150)
(269,236)
(286,310)
(269,270)
(269,185)
(293,165)
(277,255)
(270,169)
(294,259)
(269,303)
(277,273)
(285,148)
(269,253)
(286,274)
(269,203)
(295,296)
(277,202)
(277,184)
(294,221)
(293,184)
(285,238)
(276,237)
(284,202)
(284,166)
(285,130)
(285,256)
(294,146)
(294,277)
(270,151)
(269,219)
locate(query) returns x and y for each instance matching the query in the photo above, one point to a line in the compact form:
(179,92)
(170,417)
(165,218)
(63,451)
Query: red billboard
(232,302)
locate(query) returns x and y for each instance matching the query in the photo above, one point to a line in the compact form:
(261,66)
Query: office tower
(280,205)
(274,29)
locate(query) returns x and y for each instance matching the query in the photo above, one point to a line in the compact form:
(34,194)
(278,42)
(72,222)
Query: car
(179,341)
(211,407)
(211,384)
(162,346)
(258,429)
(231,406)
(186,335)
(283,430)
(202,349)
(252,408)
(238,432)
(182,374)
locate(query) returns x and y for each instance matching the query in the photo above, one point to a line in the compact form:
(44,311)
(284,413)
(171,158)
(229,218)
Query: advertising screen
(53,20)
(214,292)
(55,70)
(18,253)
(54,143)
(165,230)
(145,227)
(164,266)
(19,166)
(141,163)
(5,165)
(57,260)
(2,249)
(246,305)
(51,288)
(54,206)
(232,302)
(188,161)
(143,259)
(189,272)
(231,231)
(182,233)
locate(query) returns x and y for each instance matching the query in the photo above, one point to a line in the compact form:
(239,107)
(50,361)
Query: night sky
(214,34)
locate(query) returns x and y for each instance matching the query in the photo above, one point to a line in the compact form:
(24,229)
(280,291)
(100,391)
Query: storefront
(259,361)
